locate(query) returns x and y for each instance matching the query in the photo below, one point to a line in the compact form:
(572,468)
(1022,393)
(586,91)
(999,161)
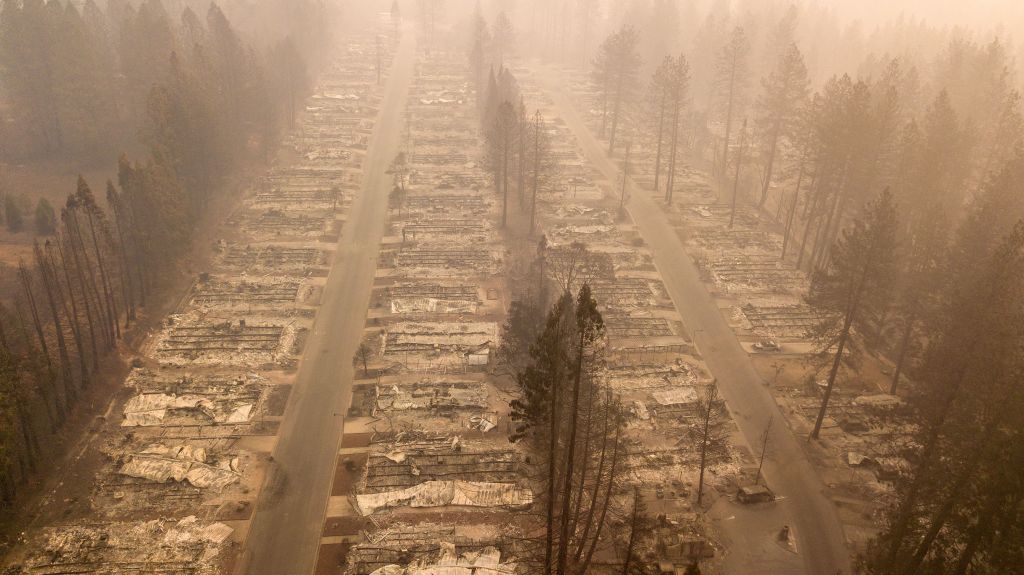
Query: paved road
(804,506)
(285,532)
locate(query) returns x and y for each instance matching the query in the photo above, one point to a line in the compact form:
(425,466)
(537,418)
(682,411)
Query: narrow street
(802,502)
(286,528)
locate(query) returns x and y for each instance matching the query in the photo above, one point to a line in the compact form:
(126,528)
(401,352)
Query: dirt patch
(234,511)
(265,427)
(301,335)
(347,472)
(274,488)
(277,399)
(71,457)
(350,440)
(344,526)
(332,558)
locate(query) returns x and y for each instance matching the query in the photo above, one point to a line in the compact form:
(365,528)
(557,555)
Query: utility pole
(764,448)
(739,164)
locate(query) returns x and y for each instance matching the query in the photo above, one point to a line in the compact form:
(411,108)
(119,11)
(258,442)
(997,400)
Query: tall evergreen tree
(854,287)
(614,75)
(503,42)
(145,47)
(783,94)
(479,48)
(920,285)
(12,214)
(45,218)
(568,417)
(731,79)
(678,98)
(500,143)
(958,509)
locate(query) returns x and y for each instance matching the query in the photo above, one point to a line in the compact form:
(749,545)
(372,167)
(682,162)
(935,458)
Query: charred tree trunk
(521,165)
(852,306)
(661,134)
(581,486)
(536,172)
(58,327)
(670,183)
(792,213)
(26,283)
(504,185)
(704,438)
(604,507)
(552,456)
(83,286)
(769,166)
(813,221)
(44,377)
(570,458)
(89,279)
(938,520)
(908,331)
(616,113)
(634,526)
(127,284)
(736,181)
(597,488)
(112,311)
(72,314)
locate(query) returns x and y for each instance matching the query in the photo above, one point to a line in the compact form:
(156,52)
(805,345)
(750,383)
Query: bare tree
(399,170)
(573,265)
(543,167)
(363,355)
(711,415)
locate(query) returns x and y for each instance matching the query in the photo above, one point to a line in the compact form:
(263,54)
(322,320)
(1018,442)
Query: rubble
(254,259)
(184,546)
(444,260)
(396,548)
(196,429)
(431,395)
(426,337)
(173,399)
(754,275)
(152,408)
(225,343)
(248,293)
(160,463)
(406,298)
(438,462)
(484,562)
(780,320)
(456,493)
